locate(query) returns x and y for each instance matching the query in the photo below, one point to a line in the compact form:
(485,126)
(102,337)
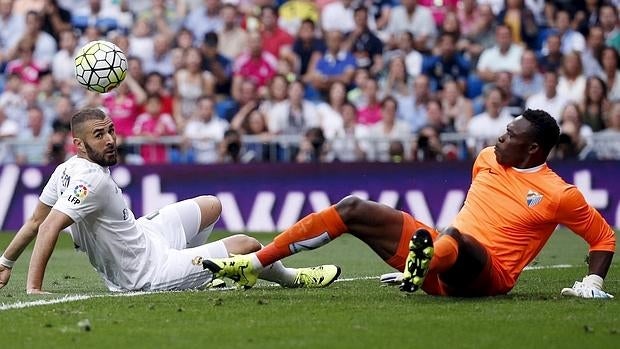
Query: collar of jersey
(531,169)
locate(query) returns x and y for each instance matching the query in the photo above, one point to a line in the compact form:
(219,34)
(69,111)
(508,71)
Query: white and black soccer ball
(100,66)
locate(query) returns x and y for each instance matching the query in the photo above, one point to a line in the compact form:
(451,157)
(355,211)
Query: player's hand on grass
(5,275)
(590,287)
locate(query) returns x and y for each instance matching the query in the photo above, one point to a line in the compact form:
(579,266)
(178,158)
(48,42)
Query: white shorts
(171,228)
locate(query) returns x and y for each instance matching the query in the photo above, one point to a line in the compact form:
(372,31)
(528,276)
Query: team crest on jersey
(533,198)
(80,191)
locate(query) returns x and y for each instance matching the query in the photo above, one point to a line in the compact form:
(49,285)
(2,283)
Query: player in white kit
(154,252)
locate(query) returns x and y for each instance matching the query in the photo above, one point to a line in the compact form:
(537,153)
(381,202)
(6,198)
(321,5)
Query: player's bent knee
(348,206)
(241,244)
(210,209)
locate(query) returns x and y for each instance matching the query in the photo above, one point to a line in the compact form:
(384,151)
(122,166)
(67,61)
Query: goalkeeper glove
(590,287)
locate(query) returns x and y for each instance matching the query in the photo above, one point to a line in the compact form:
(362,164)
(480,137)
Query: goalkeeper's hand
(590,287)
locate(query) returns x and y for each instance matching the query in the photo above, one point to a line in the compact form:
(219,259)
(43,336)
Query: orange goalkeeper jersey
(514,212)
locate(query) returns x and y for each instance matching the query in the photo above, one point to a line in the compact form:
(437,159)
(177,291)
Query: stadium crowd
(303,81)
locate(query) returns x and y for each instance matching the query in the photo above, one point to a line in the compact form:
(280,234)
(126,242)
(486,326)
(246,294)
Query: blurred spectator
(364,44)
(587,16)
(190,83)
(548,99)
(595,105)
(389,128)
(571,145)
(609,146)
(427,146)
(184,39)
(404,47)
(274,39)
(141,42)
(24,65)
(313,148)
(218,65)
(335,65)
(369,112)
(204,19)
(591,54)
(440,10)
(409,16)
(8,132)
(55,19)
(551,60)
(231,150)
(521,21)
(64,111)
(205,130)
(100,14)
(123,105)
(330,112)
(62,71)
(56,152)
(351,143)
(154,83)
(153,124)
(573,113)
(255,64)
(294,115)
(277,92)
(244,101)
(44,44)
(33,140)
(307,48)
(356,91)
(379,12)
(12,28)
(447,65)
(484,128)
(160,60)
(458,110)
(482,35)
(529,81)
(232,38)
(611,72)
(513,103)
(11,100)
(468,14)
(292,13)
(504,56)
(572,82)
(338,16)
(436,118)
(608,17)
(571,40)
(398,84)
(415,111)
(163,16)
(134,68)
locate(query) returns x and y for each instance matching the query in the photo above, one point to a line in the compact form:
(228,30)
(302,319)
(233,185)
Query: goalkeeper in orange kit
(514,204)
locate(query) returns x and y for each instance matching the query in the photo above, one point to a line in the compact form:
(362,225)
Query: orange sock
(312,231)
(446,251)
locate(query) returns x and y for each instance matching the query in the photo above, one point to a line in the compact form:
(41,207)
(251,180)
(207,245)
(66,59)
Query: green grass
(354,314)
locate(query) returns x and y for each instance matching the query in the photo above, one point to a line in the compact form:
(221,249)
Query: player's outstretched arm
(46,241)
(21,240)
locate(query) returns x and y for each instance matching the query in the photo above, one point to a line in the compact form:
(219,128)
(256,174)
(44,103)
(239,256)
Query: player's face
(513,147)
(100,142)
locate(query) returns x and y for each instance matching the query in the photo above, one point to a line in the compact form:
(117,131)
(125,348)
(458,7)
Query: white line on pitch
(81,297)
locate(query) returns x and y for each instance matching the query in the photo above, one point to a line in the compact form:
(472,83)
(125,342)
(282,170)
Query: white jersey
(122,251)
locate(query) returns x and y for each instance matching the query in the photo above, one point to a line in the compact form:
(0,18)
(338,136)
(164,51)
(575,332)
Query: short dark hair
(210,39)
(545,129)
(84,115)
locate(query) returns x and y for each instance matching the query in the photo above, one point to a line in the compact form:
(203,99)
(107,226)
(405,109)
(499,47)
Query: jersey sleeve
(49,195)
(84,195)
(583,219)
(481,161)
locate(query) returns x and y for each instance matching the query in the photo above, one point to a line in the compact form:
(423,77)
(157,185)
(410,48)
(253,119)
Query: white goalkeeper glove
(391,278)
(590,287)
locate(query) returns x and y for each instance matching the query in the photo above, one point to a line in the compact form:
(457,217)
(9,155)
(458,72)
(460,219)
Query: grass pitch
(357,313)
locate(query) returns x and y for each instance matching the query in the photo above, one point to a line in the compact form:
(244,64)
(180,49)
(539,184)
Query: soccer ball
(100,66)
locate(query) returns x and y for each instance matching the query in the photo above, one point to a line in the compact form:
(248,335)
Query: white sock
(275,272)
